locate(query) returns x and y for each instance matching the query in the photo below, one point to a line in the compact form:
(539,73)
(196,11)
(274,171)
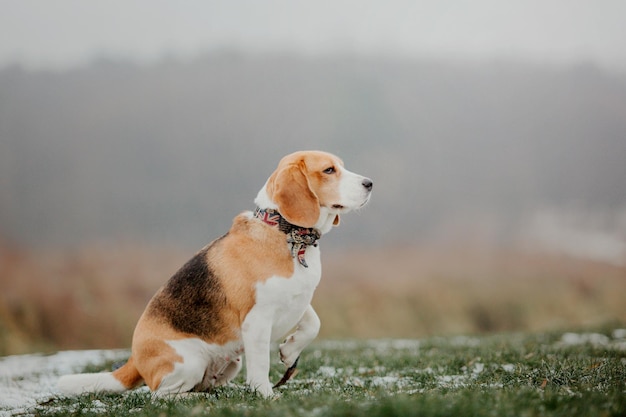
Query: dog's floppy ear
(289,188)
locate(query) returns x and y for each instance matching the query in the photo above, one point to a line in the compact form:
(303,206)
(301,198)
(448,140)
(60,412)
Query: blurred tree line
(172,151)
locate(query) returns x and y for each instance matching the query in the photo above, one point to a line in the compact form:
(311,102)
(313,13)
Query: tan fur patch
(251,253)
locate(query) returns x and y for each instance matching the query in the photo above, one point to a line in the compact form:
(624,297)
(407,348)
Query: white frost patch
(339,345)
(386,345)
(595,339)
(619,334)
(460,381)
(97,406)
(452,381)
(465,341)
(575,339)
(384,381)
(327,371)
(508,367)
(478,369)
(379,345)
(361,377)
(28,380)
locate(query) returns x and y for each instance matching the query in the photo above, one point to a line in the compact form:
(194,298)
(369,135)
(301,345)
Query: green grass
(504,375)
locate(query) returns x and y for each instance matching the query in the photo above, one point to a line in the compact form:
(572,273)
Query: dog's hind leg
(229,372)
(183,374)
(184,378)
(216,378)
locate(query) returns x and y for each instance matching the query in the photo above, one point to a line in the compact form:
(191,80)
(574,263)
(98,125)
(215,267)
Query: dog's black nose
(367,183)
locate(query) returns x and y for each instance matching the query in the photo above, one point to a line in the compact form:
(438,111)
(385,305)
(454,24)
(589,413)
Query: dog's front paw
(289,352)
(263,389)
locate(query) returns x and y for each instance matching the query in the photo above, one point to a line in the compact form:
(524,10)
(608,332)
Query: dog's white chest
(284,300)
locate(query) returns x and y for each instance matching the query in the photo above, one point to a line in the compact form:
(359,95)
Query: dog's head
(309,187)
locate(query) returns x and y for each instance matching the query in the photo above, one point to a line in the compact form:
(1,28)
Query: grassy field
(532,374)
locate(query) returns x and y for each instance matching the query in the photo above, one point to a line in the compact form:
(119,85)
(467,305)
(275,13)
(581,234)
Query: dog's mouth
(341,207)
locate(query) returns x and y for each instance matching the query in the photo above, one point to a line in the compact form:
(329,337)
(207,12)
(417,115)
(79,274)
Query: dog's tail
(120,380)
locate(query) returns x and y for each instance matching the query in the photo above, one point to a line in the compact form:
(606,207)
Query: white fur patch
(286,299)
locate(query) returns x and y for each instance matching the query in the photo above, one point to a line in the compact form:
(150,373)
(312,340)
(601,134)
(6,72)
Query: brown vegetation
(412,292)
(91,298)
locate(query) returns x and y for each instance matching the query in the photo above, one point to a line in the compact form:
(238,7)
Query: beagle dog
(241,292)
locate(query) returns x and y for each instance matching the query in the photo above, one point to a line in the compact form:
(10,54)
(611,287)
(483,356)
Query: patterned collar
(298,237)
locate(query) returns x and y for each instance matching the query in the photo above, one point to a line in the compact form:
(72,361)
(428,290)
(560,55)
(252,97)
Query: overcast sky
(63,34)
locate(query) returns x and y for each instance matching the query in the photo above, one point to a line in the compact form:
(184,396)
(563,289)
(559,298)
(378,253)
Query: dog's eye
(329,171)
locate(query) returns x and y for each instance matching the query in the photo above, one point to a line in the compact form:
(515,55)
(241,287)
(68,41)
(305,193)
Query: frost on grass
(619,334)
(508,367)
(616,342)
(28,380)
(378,345)
(363,369)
